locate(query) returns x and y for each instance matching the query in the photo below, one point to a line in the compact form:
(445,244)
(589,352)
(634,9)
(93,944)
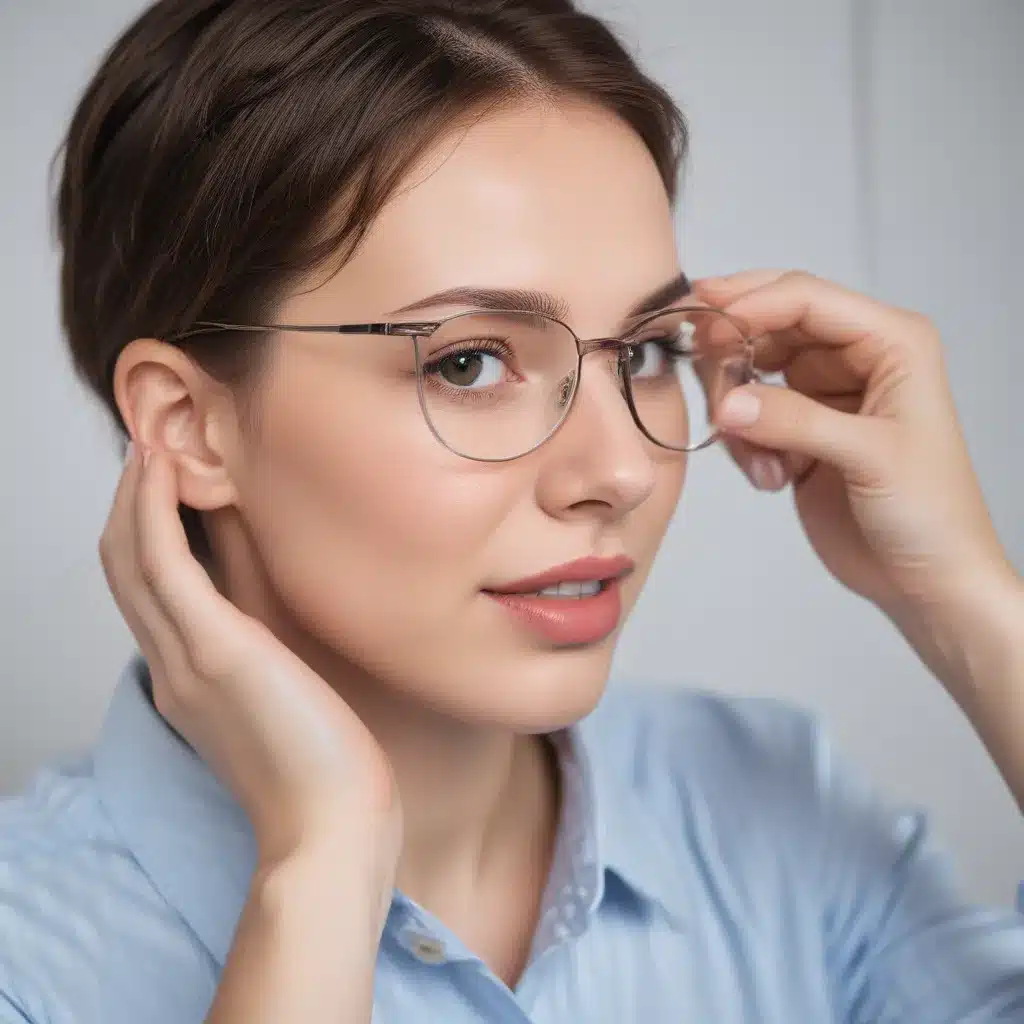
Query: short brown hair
(206,159)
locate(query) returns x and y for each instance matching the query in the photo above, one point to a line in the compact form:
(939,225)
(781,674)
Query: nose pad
(611,354)
(611,359)
(566,387)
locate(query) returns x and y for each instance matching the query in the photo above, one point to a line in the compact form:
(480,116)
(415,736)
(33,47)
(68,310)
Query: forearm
(975,646)
(306,944)
(994,687)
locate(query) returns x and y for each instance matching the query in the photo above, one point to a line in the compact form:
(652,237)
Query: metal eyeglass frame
(424,328)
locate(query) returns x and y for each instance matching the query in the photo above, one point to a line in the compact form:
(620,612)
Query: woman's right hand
(306,770)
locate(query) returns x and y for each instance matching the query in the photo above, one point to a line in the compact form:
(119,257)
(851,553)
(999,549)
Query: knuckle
(920,340)
(113,572)
(148,573)
(922,323)
(165,700)
(209,662)
(798,276)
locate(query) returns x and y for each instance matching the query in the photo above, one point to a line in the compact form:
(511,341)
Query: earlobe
(204,482)
(204,477)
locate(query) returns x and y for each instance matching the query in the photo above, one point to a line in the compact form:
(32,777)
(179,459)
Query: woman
(376,569)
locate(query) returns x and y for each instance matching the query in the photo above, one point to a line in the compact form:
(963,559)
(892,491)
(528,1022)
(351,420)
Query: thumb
(789,421)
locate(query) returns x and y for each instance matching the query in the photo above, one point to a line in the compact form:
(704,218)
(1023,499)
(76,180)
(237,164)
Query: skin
(348,669)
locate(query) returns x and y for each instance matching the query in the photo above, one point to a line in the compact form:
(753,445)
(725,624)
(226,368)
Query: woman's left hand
(866,431)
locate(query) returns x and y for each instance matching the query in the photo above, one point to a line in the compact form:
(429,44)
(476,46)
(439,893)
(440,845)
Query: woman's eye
(470,369)
(652,358)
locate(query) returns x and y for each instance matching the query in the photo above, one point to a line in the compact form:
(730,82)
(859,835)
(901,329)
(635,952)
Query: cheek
(653,517)
(375,508)
(649,523)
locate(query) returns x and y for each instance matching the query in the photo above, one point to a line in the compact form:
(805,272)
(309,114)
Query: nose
(598,463)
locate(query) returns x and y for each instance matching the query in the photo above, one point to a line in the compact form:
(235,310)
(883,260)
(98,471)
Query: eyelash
(669,345)
(491,346)
(498,347)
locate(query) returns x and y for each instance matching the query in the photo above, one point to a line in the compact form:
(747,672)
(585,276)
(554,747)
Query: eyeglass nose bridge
(600,345)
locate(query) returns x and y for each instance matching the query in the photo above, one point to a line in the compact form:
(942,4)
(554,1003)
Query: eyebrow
(543,303)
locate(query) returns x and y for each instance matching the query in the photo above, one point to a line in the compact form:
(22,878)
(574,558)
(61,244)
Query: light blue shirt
(714,864)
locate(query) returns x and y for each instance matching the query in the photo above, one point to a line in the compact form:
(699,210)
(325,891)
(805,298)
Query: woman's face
(379,543)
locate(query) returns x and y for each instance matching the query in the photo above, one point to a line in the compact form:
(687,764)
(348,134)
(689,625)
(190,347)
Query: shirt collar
(194,842)
(187,832)
(630,838)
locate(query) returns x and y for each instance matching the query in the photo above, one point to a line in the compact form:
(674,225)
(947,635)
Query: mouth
(584,577)
(571,605)
(571,591)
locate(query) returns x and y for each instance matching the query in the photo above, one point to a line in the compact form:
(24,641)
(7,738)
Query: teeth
(587,588)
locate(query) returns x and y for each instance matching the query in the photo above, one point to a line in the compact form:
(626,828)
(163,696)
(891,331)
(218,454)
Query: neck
(475,800)
(480,804)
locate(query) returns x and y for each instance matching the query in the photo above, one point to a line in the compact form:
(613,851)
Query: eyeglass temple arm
(407,328)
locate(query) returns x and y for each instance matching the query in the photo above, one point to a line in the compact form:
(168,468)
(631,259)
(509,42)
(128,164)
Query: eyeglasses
(495,385)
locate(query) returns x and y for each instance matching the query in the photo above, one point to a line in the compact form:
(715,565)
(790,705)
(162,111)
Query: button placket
(566,916)
(416,939)
(427,950)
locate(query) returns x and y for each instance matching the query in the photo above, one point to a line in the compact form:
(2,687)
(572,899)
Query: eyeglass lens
(495,385)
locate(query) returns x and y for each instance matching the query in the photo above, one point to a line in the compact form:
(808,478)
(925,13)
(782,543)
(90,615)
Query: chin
(538,691)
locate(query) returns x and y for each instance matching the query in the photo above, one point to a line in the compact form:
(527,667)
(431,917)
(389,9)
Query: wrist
(972,637)
(977,647)
(352,846)
(341,835)
(354,878)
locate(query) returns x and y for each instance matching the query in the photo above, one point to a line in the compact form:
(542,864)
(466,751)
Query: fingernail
(767,472)
(129,452)
(709,282)
(739,409)
(146,453)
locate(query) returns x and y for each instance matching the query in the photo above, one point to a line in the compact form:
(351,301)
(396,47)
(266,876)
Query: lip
(568,621)
(578,571)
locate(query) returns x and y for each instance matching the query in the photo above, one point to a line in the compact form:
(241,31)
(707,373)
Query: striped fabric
(715,863)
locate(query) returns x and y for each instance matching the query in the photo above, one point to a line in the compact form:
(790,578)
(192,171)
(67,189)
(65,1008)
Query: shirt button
(426,949)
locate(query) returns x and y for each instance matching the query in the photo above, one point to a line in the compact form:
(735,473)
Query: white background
(880,144)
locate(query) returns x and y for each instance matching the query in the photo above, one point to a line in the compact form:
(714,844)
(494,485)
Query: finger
(764,466)
(119,554)
(117,551)
(783,419)
(772,353)
(115,528)
(776,350)
(824,312)
(171,573)
(766,469)
(821,372)
(723,290)
(770,470)
(120,559)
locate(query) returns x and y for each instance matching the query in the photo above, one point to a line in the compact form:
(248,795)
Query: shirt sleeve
(903,944)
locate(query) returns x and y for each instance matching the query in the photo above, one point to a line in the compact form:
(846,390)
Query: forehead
(565,199)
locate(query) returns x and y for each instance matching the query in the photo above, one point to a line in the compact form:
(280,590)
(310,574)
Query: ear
(169,403)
